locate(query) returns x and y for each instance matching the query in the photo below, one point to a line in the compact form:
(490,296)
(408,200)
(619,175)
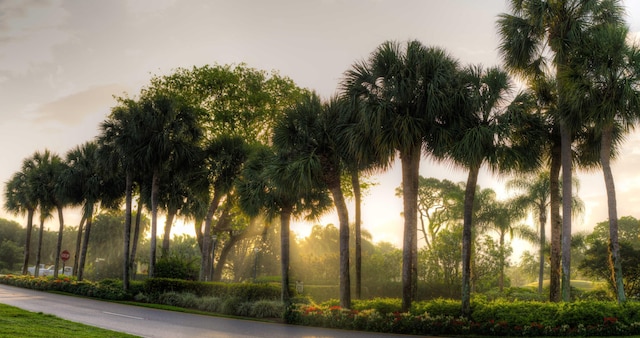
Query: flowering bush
(333,316)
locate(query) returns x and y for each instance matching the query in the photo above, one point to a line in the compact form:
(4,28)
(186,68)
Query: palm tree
(170,131)
(43,180)
(269,185)
(18,199)
(605,85)
(404,90)
(536,197)
(543,33)
(308,131)
(87,184)
(485,134)
(117,143)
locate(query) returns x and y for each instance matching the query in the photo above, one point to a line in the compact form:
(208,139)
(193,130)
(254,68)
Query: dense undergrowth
(496,315)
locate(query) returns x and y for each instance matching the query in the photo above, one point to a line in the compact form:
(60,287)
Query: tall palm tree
(19,199)
(87,184)
(168,138)
(360,159)
(484,136)
(117,143)
(43,181)
(546,33)
(404,89)
(606,85)
(308,131)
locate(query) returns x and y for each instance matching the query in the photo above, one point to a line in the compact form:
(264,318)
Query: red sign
(64,255)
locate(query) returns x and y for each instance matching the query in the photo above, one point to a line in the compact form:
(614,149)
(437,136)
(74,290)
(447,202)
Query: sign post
(64,255)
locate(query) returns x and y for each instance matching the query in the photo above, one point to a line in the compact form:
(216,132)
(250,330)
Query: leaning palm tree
(405,91)
(606,84)
(484,136)
(19,199)
(543,34)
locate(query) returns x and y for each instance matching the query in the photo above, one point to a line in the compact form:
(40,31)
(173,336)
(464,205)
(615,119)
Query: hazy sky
(62,61)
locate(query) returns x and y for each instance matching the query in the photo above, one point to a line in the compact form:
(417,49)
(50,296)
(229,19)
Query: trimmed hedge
(246,292)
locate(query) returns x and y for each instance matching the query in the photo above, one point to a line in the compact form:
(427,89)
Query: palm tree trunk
(469,196)
(343,216)
(85,241)
(136,238)
(357,193)
(556,224)
(502,263)
(285,219)
(27,244)
(205,266)
(542,219)
(166,239)
(76,255)
(614,246)
(410,174)
(126,240)
(56,264)
(39,251)
(155,187)
(567,199)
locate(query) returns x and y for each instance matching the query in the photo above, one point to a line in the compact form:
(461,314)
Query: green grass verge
(15,322)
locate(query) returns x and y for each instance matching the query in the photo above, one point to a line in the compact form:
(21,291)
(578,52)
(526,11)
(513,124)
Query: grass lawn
(584,285)
(15,322)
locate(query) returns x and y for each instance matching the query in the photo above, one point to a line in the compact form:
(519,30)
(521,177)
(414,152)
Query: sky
(61,63)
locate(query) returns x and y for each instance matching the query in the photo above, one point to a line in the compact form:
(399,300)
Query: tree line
(227,147)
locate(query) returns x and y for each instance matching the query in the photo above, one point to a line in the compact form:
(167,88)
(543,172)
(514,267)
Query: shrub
(178,268)
(267,309)
(230,306)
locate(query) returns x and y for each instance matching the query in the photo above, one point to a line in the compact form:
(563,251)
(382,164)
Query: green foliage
(267,309)
(245,292)
(10,255)
(177,267)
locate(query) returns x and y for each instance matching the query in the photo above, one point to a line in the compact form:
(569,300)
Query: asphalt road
(147,322)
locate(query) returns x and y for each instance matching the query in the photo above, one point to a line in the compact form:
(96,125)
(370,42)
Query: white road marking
(121,315)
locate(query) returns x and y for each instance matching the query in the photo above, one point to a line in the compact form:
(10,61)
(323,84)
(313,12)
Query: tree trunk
(136,239)
(76,254)
(27,244)
(155,187)
(56,264)
(556,224)
(567,206)
(205,265)
(469,196)
(197,227)
(126,240)
(166,239)
(224,253)
(542,219)
(285,219)
(85,242)
(410,173)
(614,246)
(502,263)
(343,216)
(357,194)
(39,251)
